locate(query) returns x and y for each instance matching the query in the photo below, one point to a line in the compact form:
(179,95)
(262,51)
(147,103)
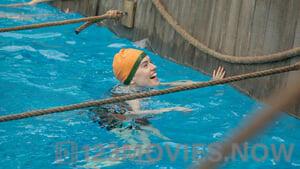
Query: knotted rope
(148,94)
(227,58)
(111,14)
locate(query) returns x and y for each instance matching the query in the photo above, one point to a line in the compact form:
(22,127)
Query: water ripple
(17,48)
(53,54)
(116,45)
(30,36)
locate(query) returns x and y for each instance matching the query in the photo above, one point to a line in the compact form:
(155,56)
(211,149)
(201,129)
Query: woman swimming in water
(134,69)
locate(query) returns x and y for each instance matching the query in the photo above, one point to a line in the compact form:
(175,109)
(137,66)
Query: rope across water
(149,94)
(108,15)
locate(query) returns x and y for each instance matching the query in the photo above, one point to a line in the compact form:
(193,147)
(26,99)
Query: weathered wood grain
(274,26)
(258,27)
(244,25)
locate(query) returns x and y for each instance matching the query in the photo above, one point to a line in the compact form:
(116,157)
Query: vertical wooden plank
(169,37)
(172,31)
(216,24)
(199,20)
(289,27)
(177,38)
(185,22)
(92,7)
(297,34)
(188,16)
(159,28)
(274,26)
(224,22)
(97,8)
(71,5)
(138,22)
(151,15)
(145,19)
(209,22)
(258,28)
(101,7)
(81,7)
(244,25)
(196,26)
(166,38)
(229,43)
(180,17)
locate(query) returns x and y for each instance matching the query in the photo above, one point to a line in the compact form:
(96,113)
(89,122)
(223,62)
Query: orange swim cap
(126,63)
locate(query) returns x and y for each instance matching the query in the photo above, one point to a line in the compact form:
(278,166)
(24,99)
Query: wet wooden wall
(235,27)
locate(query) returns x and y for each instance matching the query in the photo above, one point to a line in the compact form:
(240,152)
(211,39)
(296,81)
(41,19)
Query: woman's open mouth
(153,76)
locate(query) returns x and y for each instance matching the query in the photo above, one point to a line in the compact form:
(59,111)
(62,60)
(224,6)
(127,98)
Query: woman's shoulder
(121,89)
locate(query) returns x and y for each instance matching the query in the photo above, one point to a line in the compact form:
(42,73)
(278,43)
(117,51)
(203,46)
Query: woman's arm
(145,113)
(218,73)
(138,113)
(177,83)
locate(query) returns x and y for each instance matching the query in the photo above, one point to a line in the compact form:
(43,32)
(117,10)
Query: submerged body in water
(128,114)
(118,115)
(134,130)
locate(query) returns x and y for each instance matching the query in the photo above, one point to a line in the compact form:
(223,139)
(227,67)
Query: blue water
(52,66)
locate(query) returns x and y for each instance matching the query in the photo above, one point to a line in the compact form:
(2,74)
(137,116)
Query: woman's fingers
(219,73)
(223,74)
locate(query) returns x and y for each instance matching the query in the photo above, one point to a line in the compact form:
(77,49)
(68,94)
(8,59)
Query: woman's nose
(153,67)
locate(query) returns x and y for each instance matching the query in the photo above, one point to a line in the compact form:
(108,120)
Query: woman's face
(146,74)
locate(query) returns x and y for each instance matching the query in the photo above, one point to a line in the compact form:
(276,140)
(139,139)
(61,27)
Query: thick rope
(84,26)
(94,19)
(89,23)
(279,103)
(227,58)
(148,94)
